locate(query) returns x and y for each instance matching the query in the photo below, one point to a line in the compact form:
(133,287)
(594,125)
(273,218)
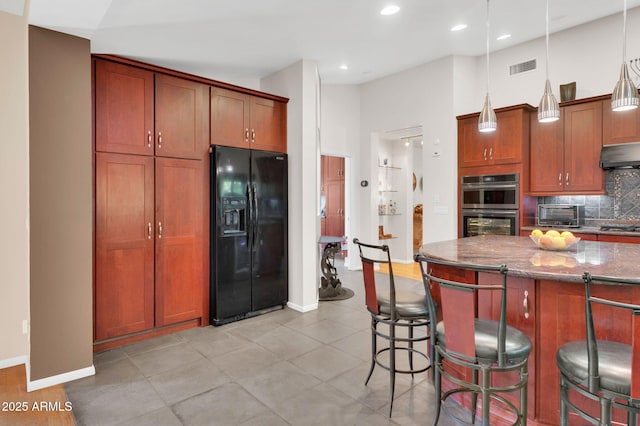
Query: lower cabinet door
(179,240)
(124,293)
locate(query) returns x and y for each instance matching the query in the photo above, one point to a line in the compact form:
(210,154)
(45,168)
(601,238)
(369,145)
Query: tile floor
(281,368)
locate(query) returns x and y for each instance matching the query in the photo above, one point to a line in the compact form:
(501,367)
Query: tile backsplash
(620,205)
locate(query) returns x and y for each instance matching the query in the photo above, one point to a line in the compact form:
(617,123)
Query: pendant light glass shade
(625,94)
(487,121)
(548,109)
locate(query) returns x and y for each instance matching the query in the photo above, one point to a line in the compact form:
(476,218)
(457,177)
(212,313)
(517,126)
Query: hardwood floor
(406,270)
(47,406)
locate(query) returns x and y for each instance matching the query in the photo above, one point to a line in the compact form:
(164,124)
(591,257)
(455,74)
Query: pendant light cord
(488,46)
(547,29)
(624,33)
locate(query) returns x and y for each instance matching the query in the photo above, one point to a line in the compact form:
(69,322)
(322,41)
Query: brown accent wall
(61,224)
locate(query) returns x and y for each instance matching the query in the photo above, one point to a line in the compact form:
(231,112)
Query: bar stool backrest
(458,315)
(458,304)
(592,345)
(370,255)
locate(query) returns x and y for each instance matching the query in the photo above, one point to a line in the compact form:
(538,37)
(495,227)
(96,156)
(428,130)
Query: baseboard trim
(12,362)
(58,379)
(303,309)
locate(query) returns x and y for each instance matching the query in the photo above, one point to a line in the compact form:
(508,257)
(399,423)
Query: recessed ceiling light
(344,67)
(503,37)
(459,27)
(390,10)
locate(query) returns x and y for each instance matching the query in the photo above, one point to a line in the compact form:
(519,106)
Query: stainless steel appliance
(489,205)
(248,233)
(569,215)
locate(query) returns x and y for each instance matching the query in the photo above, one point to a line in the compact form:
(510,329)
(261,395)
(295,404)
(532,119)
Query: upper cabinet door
(619,126)
(582,146)
(181,129)
(268,125)
(124,109)
(547,155)
(229,118)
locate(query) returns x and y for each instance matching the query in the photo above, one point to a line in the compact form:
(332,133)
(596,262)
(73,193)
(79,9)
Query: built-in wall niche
(399,166)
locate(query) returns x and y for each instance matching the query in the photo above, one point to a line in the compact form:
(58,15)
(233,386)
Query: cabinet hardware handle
(149,139)
(560,179)
(490,153)
(149,230)
(484,154)
(525,304)
(246,134)
(159,229)
(566,180)
(159,139)
(253,135)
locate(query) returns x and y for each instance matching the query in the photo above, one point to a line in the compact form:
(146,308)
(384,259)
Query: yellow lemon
(566,234)
(545,241)
(558,243)
(536,233)
(552,233)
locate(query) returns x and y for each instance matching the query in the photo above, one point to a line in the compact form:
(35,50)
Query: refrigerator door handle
(250,219)
(255,216)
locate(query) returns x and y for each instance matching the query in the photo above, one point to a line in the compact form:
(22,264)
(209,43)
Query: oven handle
(489,186)
(466,212)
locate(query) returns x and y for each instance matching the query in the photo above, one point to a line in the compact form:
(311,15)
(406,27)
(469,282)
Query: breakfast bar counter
(545,298)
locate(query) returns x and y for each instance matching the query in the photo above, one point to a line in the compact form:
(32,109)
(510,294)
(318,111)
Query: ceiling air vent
(522,67)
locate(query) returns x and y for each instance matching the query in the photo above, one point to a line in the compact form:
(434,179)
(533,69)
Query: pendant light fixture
(548,109)
(625,94)
(487,121)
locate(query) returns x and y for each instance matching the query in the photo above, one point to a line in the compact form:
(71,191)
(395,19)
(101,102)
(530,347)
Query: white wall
(14,189)
(299,83)
(433,94)
(590,55)
(340,137)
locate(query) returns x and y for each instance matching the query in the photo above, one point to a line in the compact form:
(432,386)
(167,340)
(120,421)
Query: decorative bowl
(554,243)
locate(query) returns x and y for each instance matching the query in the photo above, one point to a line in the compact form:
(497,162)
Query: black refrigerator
(248,233)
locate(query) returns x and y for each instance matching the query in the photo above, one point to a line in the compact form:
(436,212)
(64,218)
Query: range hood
(620,156)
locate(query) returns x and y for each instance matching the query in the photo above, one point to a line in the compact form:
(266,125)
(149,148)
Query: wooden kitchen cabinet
(504,146)
(332,172)
(565,154)
(124,109)
(179,268)
(125,250)
(128,98)
(561,319)
(521,314)
(619,126)
(182,117)
(619,239)
(246,121)
(149,242)
(151,140)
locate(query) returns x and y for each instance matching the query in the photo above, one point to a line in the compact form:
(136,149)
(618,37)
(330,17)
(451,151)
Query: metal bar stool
(602,370)
(476,347)
(394,308)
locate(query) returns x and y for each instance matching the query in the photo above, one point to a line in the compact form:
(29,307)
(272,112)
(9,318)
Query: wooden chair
(397,309)
(602,370)
(478,348)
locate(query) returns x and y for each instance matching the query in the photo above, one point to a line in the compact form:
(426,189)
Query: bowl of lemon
(554,240)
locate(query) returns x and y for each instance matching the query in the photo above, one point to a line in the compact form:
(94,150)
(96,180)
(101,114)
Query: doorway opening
(333,199)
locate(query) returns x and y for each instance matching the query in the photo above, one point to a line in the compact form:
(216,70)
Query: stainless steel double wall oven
(489,204)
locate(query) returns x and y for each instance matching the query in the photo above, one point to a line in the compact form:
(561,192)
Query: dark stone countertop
(525,259)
